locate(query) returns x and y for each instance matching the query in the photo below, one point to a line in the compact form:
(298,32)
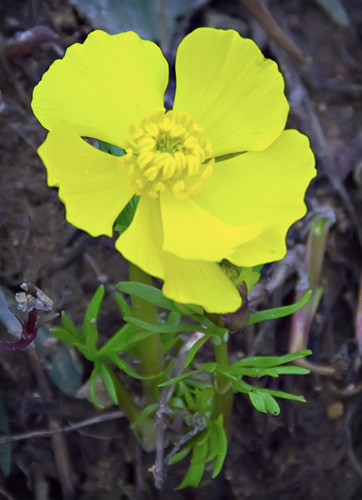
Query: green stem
(150,349)
(224,392)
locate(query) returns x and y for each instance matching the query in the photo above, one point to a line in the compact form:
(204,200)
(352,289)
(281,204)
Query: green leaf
(237,384)
(271,405)
(210,328)
(125,367)
(174,318)
(165,328)
(104,372)
(93,389)
(205,400)
(264,402)
(257,401)
(169,341)
(279,312)
(270,361)
(189,309)
(69,325)
(218,427)
(193,351)
(125,338)
(283,395)
(269,372)
(208,367)
(180,455)
(148,293)
(284,370)
(213,444)
(177,379)
(145,413)
(64,335)
(197,466)
(90,331)
(125,308)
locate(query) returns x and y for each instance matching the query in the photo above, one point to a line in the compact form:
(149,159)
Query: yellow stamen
(167,150)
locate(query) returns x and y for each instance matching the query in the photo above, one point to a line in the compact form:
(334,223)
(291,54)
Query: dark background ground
(311,451)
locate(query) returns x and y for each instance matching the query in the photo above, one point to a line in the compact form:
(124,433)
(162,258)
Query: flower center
(167,151)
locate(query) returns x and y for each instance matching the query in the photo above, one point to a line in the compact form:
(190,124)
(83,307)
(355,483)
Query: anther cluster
(167,151)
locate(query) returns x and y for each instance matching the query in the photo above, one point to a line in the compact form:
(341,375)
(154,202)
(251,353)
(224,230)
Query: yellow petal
(227,86)
(185,281)
(199,282)
(266,186)
(103,85)
(141,243)
(92,184)
(190,232)
(270,246)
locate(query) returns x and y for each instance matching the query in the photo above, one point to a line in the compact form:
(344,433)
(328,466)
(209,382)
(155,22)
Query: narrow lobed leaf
(148,293)
(279,312)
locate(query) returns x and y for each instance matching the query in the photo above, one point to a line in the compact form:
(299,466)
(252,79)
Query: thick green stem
(224,392)
(150,349)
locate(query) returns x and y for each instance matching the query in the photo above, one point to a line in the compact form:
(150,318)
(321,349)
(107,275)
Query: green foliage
(207,442)
(193,390)
(85,340)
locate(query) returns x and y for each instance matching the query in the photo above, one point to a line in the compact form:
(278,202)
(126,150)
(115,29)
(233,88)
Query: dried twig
(44,433)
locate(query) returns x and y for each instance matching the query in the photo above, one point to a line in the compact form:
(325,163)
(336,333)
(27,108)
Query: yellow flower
(218,176)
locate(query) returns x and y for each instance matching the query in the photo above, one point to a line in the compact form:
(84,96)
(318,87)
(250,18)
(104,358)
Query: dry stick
(302,319)
(43,433)
(266,20)
(161,464)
